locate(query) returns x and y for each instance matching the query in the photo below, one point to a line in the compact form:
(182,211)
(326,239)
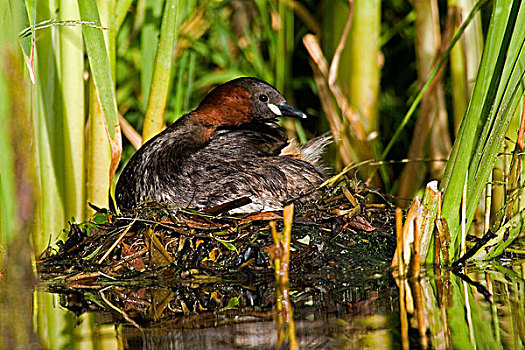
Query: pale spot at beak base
(274,109)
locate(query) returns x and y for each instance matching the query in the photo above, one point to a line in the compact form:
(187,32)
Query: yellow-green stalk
(48,122)
(358,73)
(98,151)
(71,72)
(98,156)
(158,95)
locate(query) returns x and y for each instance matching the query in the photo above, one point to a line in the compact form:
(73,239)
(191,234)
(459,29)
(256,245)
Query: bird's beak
(284,109)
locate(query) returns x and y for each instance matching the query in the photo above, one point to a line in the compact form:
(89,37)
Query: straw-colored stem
(339,125)
(288,212)
(98,156)
(464,61)
(432,118)
(399,243)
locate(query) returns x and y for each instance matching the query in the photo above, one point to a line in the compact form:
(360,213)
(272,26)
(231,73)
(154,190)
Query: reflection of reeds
(281,259)
(449,310)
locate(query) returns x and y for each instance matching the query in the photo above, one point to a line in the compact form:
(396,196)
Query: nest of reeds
(161,241)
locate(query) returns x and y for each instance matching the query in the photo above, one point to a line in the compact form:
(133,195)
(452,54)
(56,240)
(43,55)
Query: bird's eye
(263,98)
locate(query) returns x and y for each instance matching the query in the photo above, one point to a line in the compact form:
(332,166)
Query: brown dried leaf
(137,263)
(360,223)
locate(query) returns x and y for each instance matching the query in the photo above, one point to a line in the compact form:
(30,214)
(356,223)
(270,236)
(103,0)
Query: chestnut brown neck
(229,105)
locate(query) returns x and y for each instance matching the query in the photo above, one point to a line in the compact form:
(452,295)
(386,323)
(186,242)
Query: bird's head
(242,101)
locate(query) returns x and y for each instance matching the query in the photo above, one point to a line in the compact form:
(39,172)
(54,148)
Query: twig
(122,312)
(399,243)
(479,245)
(82,276)
(149,233)
(116,242)
(131,134)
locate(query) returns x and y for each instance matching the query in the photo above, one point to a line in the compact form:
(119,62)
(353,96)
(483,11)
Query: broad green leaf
(99,63)
(494,100)
(158,92)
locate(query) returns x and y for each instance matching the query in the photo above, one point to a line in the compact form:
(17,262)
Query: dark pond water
(478,308)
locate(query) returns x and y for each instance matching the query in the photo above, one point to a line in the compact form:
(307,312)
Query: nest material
(162,241)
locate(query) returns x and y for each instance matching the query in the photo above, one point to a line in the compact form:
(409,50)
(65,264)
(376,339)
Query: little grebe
(228,148)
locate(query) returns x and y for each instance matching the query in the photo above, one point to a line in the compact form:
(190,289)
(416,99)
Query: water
(479,308)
